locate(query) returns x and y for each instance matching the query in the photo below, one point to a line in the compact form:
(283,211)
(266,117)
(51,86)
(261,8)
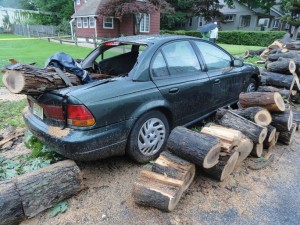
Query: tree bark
(282,121)
(287,137)
(283,92)
(271,133)
(258,115)
(224,167)
(41,189)
(272,101)
(279,66)
(155,190)
(201,149)
(252,130)
(244,148)
(285,55)
(295,45)
(257,150)
(251,53)
(172,166)
(11,211)
(277,80)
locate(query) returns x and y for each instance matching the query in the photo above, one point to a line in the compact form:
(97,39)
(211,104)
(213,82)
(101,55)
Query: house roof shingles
(90,8)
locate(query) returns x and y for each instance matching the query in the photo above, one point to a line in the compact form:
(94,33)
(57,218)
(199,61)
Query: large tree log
(272,101)
(279,66)
(30,80)
(258,115)
(224,167)
(296,117)
(244,148)
(282,121)
(252,130)
(257,150)
(42,188)
(11,211)
(283,92)
(277,80)
(287,137)
(271,133)
(172,166)
(201,149)
(295,45)
(155,190)
(251,53)
(283,55)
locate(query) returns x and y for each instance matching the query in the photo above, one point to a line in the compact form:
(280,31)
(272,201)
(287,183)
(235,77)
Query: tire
(148,137)
(251,86)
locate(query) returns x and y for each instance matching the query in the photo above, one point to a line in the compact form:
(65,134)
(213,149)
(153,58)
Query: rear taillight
(53,112)
(79,115)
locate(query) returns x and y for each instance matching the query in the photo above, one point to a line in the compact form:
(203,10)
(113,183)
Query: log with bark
(244,148)
(258,115)
(270,135)
(201,149)
(251,53)
(156,190)
(229,137)
(287,137)
(272,101)
(282,121)
(284,92)
(30,80)
(172,166)
(257,150)
(284,55)
(279,66)
(225,166)
(277,44)
(295,45)
(252,130)
(296,117)
(277,80)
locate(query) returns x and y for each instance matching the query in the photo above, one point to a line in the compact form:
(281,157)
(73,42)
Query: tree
(121,8)
(292,8)
(252,4)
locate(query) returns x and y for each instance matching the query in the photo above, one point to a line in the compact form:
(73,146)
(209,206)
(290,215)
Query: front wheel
(148,137)
(252,86)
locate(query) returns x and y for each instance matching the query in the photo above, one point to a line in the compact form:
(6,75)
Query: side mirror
(238,63)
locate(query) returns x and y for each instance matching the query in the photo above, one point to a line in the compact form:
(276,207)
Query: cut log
(252,130)
(258,115)
(283,55)
(224,167)
(155,190)
(271,133)
(172,166)
(251,53)
(279,66)
(30,80)
(272,101)
(277,80)
(11,211)
(296,117)
(257,150)
(295,45)
(244,148)
(225,134)
(18,132)
(287,137)
(282,121)
(201,149)
(284,92)
(42,188)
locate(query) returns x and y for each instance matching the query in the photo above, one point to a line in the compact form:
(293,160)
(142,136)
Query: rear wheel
(148,137)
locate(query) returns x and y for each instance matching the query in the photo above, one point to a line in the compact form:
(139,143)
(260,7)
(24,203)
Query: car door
(227,80)
(176,71)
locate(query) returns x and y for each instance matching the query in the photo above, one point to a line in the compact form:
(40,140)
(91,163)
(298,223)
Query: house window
(276,23)
(245,21)
(145,23)
(200,21)
(77,2)
(108,23)
(85,22)
(191,22)
(79,22)
(264,22)
(229,17)
(92,22)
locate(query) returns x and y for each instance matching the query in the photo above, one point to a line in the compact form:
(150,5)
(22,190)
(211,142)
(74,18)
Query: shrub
(254,38)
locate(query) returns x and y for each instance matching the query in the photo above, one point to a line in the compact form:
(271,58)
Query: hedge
(237,37)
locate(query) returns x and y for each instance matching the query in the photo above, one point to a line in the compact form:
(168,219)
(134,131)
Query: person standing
(214,34)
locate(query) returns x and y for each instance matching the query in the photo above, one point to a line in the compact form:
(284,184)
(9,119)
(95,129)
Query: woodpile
(29,194)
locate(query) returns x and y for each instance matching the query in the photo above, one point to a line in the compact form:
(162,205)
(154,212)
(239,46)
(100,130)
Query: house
(241,17)
(87,23)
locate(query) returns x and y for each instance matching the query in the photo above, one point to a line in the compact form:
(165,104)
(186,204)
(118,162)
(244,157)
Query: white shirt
(214,33)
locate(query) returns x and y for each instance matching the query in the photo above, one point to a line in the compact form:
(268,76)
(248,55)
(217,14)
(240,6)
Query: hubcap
(251,87)
(151,136)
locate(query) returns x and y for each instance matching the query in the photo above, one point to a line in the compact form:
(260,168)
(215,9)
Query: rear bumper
(83,145)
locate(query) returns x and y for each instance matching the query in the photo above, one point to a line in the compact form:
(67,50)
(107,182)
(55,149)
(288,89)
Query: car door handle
(217,81)
(173,90)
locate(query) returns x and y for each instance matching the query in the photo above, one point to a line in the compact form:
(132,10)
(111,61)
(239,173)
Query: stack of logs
(217,149)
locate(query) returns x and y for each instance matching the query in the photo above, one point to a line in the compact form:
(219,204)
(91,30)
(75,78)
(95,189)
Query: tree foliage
(252,4)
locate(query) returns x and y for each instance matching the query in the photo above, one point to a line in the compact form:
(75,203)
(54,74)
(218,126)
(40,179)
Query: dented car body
(156,83)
